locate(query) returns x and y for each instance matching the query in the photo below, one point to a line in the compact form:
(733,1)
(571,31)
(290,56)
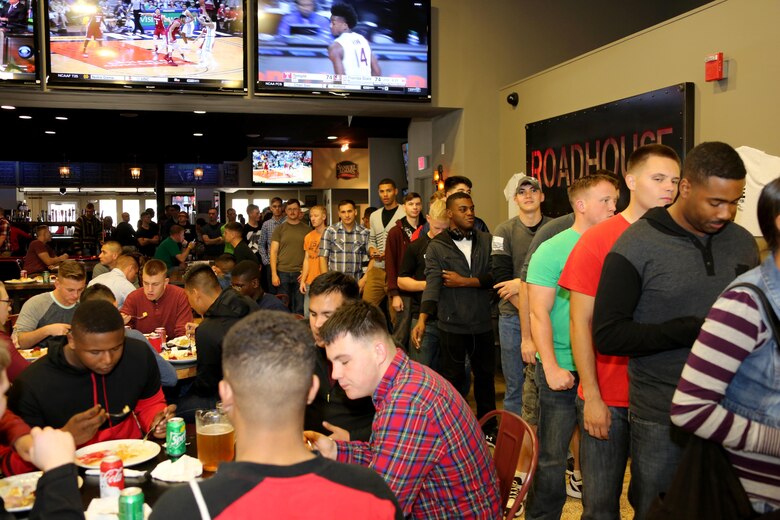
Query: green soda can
(175,437)
(46,277)
(131,504)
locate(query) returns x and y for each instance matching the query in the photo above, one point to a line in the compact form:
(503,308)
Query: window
(240,206)
(262,203)
(132,206)
(107,208)
(63,211)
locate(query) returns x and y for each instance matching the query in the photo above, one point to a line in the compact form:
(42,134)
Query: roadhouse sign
(567,147)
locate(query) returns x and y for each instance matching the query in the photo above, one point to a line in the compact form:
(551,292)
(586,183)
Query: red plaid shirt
(428,446)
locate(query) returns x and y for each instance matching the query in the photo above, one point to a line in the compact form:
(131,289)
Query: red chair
(512,430)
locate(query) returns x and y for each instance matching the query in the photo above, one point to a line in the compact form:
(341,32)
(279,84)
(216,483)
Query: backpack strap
(204,510)
(774,322)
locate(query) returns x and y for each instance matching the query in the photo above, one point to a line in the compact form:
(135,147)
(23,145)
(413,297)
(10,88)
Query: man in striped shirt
(425,441)
(382,222)
(344,246)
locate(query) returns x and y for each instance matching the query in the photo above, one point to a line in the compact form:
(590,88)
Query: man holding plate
(100,386)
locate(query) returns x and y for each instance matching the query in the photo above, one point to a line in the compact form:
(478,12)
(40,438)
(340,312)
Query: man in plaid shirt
(425,441)
(344,246)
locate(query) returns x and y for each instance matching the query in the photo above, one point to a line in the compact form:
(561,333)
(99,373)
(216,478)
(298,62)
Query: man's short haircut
(97,291)
(768,210)
(153,267)
(713,159)
(586,182)
(319,208)
(96,317)
(264,352)
(411,196)
(438,210)
(437,195)
(643,153)
(389,181)
(246,269)
(293,201)
(234,227)
(176,207)
(452,199)
(40,228)
(335,281)
(277,199)
(451,182)
(125,261)
(113,246)
(347,12)
(176,229)
(251,208)
(72,270)
(368,211)
(90,206)
(226,262)
(346,202)
(359,319)
(202,277)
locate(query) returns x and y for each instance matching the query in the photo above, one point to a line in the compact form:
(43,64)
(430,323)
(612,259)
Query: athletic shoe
(490,439)
(574,487)
(517,482)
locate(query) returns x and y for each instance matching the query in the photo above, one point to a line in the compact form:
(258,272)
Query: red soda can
(163,336)
(23,274)
(156,341)
(112,476)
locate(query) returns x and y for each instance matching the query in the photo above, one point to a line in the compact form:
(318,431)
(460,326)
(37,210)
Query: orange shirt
(311,245)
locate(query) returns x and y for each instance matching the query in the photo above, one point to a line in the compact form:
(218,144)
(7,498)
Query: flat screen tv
(168,44)
(346,48)
(285,167)
(18,49)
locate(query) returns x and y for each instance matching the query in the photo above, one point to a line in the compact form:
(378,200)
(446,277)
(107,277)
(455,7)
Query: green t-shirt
(545,270)
(167,251)
(228,247)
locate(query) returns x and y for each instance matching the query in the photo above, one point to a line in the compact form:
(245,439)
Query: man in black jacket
(458,277)
(331,411)
(220,309)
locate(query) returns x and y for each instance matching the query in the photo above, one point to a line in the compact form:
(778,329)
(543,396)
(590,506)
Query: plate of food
(19,281)
(131,451)
(180,355)
(182,342)
(18,491)
(33,354)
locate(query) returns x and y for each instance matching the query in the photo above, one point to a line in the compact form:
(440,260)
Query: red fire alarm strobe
(714,69)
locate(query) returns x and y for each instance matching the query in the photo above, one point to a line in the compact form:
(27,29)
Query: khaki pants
(375,288)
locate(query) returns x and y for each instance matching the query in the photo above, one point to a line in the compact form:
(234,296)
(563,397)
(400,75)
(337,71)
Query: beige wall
(742,110)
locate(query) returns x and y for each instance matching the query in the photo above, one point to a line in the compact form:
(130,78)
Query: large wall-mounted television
(281,167)
(18,49)
(171,45)
(382,50)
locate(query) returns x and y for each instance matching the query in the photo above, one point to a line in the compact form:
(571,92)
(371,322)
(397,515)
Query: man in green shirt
(170,250)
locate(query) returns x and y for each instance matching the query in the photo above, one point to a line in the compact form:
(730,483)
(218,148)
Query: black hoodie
(227,309)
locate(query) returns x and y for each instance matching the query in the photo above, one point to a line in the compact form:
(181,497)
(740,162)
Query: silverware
(126,410)
(152,427)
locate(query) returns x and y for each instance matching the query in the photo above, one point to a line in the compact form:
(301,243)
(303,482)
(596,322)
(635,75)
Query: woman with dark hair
(729,391)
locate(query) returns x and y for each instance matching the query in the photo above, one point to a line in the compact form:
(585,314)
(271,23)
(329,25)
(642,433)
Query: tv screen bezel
(35,80)
(262,90)
(279,184)
(182,86)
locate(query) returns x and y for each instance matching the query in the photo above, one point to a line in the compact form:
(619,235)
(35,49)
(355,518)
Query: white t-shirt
(357,54)
(465,248)
(762,168)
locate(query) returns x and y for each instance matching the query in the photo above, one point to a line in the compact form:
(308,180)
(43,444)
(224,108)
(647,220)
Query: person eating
(95,386)
(156,303)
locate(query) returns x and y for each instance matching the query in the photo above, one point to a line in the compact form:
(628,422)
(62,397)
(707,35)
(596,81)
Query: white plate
(181,342)
(17,281)
(131,451)
(26,482)
(27,353)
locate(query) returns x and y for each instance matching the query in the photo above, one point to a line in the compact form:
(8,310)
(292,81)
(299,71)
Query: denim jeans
(603,464)
(655,453)
(557,419)
(306,302)
(455,350)
(290,286)
(511,361)
(401,323)
(428,353)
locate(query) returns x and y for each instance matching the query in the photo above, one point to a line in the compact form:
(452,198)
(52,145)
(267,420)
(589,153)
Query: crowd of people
(620,335)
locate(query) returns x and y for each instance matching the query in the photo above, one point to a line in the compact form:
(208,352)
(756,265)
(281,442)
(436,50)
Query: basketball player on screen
(350,52)
(208,29)
(174,43)
(94,30)
(159,33)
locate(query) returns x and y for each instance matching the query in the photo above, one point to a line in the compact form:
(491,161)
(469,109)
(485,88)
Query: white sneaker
(574,486)
(517,483)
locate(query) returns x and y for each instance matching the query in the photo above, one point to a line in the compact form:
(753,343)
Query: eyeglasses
(9,301)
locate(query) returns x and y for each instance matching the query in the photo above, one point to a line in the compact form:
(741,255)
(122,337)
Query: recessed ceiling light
(332,137)
(50,132)
(253,136)
(198,134)
(199,111)
(61,118)
(7,107)
(25,117)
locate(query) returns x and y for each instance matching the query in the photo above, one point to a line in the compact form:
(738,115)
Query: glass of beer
(216,438)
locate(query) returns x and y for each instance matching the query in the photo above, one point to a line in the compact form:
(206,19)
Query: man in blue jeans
(602,397)
(593,199)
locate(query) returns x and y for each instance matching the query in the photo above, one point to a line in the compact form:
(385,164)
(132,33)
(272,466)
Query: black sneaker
(517,483)
(490,439)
